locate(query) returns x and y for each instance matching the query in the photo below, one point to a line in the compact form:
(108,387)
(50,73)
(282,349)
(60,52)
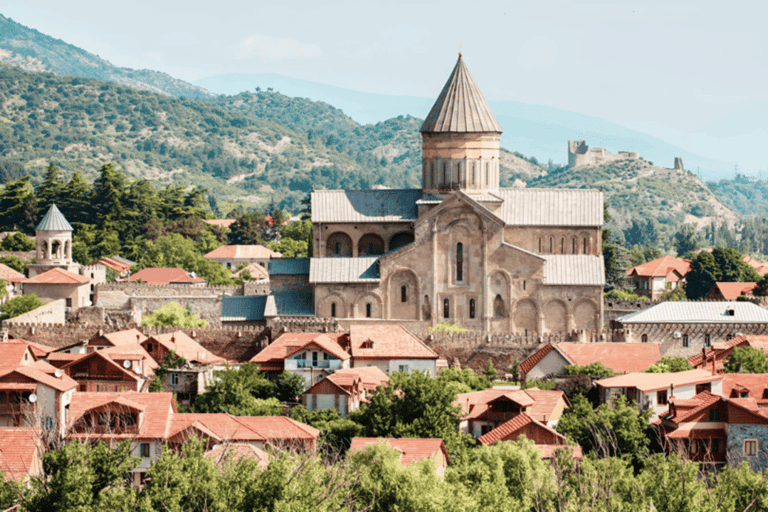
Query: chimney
(714,371)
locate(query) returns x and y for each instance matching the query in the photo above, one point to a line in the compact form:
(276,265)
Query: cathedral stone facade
(461,249)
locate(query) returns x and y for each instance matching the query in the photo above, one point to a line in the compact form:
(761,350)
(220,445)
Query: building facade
(461,249)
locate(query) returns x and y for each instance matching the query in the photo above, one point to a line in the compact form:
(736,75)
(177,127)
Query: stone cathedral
(460,249)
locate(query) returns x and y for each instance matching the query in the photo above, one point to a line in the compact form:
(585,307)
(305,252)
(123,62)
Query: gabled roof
(371,376)
(509,428)
(619,357)
(541,404)
(99,354)
(228,252)
(12,354)
(755,384)
(53,221)
(386,342)
(364,269)
(716,312)
(9,275)
(685,409)
(58,276)
(552,207)
(157,410)
(323,343)
(654,381)
(280,428)
(274,354)
(21,452)
(574,269)
(224,426)
(460,107)
(164,276)
(227,453)
(731,291)
(748,406)
(379,205)
(124,337)
(256,271)
(38,349)
(115,264)
(185,347)
(661,267)
(35,373)
(411,450)
(722,350)
(759,266)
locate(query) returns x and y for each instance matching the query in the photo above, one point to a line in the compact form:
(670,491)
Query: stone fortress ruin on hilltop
(581,154)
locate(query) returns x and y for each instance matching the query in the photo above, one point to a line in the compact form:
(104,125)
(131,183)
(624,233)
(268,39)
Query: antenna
(126,364)
(58,373)
(32,398)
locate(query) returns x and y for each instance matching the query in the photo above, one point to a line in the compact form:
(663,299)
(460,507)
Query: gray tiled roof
(699,312)
(243,307)
(552,207)
(383,205)
(461,107)
(288,266)
(574,269)
(54,221)
(344,270)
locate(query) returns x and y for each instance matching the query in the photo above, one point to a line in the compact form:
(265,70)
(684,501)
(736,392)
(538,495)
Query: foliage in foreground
(19,305)
(173,315)
(670,365)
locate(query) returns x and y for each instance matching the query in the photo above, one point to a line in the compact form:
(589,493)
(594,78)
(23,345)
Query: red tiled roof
(224,426)
(509,428)
(537,356)
(662,267)
(619,357)
(21,452)
(698,433)
(118,266)
(99,354)
(732,291)
(185,347)
(233,452)
(722,351)
(125,337)
(12,354)
(280,428)
(38,350)
(747,405)
(692,406)
(371,376)
(254,269)
(224,223)
(755,384)
(545,403)
(411,450)
(324,343)
(342,383)
(388,342)
(230,252)
(63,383)
(158,408)
(9,275)
(275,353)
(655,381)
(164,276)
(58,276)
(548,450)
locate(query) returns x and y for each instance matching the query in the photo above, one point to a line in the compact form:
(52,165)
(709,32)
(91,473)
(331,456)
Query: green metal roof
(54,221)
(296,302)
(288,266)
(243,307)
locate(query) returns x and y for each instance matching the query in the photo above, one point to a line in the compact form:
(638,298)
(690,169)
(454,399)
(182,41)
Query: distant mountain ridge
(31,50)
(533,130)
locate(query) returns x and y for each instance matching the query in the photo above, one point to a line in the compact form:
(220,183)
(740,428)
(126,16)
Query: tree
(596,369)
(489,371)
(747,360)
(670,365)
(173,315)
(687,239)
(19,206)
(14,262)
(290,248)
(466,377)
(19,305)
(722,265)
(172,360)
(250,229)
(17,242)
(289,386)
(243,392)
(51,188)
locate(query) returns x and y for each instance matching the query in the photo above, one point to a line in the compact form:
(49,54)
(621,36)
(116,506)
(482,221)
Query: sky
(694,73)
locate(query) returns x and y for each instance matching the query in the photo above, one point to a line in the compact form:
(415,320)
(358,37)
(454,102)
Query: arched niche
(326,307)
(526,317)
(585,315)
(403,284)
(338,244)
(366,303)
(555,317)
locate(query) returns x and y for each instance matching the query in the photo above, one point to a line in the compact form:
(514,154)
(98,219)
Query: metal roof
(243,307)
(699,313)
(430,199)
(344,270)
(54,221)
(461,107)
(288,266)
(296,302)
(574,269)
(385,205)
(552,207)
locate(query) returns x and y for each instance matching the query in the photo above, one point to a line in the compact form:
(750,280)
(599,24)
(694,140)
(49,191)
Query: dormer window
(730,312)
(367,344)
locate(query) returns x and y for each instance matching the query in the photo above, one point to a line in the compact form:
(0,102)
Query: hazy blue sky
(693,73)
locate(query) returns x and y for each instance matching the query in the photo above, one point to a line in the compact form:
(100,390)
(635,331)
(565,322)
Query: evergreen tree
(75,202)
(18,206)
(51,189)
(107,199)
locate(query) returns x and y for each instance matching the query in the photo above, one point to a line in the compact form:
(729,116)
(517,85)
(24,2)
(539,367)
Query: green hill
(745,194)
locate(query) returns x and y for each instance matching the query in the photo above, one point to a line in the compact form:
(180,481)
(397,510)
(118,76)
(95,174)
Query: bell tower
(53,237)
(460,139)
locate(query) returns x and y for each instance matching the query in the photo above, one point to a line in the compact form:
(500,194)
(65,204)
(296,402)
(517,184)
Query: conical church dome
(461,107)
(54,221)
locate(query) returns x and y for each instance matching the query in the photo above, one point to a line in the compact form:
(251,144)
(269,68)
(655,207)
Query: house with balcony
(652,390)
(653,278)
(344,390)
(391,348)
(311,355)
(114,369)
(482,411)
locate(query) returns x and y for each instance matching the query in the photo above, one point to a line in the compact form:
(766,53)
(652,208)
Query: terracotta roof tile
(164,276)
(63,383)
(411,450)
(755,384)
(619,357)
(125,337)
(12,354)
(275,353)
(508,430)
(655,381)
(280,428)
(118,266)
(386,342)
(185,346)
(58,276)
(548,450)
(698,433)
(9,275)
(662,267)
(227,453)
(158,408)
(21,452)
(371,376)
(256,271)
(692,406)
(224,426)
(537,356)
(245,252)
(732,291)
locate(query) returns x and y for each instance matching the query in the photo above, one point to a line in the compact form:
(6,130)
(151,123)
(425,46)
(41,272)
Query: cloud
(275,49)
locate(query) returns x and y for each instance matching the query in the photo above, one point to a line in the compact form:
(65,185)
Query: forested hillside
(745,194)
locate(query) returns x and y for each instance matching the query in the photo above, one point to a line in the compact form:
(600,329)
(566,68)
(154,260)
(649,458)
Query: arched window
(368,310)
(459,262)
(585,246)
(498,307)
(540,243)
(403,293)
(551,245)
(574,246)
(471,308)
(458,173)
(338,248)
(446,308)
(644,338)
(562,246)
(333,310)
(473,173)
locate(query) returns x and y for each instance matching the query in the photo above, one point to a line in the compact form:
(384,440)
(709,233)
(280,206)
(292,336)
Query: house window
(744,394)
(333,309)
(403,293)
(403,368)
(48,423)
(326,356)
(174,379)
(471,308)
(707,341)
(314,358)
(644,338)
(729,337)
(368,310)
(661,397)
(715,445)
(685,340)
(446,308)
(69,303)
(144,449)
(750,447)
(459,262)
(714,415)
(149,347)
(484,429)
